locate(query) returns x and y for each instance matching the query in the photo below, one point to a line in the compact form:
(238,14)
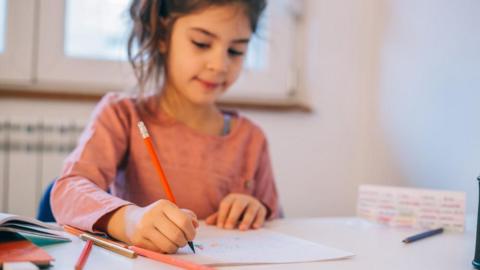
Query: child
(217,163)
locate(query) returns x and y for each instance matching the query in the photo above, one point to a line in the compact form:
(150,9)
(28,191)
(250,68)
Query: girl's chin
(204,98)
(204,101)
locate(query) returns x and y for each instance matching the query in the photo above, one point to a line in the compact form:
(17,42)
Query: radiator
(31,156)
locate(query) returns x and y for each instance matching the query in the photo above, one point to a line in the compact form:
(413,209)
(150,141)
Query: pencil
(169,259)
(98,241)
(419,236)
(78,232)
(158,167)
(82,259)
(72,230)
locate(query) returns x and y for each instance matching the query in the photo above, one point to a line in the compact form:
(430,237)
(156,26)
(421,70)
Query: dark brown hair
(153,21)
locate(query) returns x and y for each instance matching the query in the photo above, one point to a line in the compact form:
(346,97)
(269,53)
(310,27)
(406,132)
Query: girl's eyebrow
(208,33)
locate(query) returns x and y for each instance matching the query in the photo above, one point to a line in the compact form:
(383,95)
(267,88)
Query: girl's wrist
(117,223)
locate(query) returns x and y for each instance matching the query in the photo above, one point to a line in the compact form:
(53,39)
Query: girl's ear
(162,46)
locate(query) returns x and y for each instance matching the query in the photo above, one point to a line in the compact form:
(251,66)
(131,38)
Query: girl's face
(206,53)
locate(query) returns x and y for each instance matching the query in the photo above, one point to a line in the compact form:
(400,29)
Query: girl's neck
(206,119)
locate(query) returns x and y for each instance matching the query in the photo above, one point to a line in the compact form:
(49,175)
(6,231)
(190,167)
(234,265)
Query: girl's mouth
(209,85)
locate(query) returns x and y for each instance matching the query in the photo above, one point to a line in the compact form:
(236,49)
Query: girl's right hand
(160,226)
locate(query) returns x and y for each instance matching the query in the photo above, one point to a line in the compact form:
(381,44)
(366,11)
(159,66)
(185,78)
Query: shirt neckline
(158,116)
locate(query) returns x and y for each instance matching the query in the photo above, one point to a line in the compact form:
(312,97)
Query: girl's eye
(234,53)
(231,52)
(201,45)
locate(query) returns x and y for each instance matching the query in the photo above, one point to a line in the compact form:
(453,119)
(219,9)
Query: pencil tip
(192,247)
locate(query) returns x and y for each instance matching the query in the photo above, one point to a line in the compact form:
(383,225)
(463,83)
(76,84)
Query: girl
(217,162)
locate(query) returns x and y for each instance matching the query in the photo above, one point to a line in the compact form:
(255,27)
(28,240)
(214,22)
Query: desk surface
(374,246)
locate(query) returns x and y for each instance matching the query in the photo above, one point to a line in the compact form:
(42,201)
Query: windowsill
(249,104)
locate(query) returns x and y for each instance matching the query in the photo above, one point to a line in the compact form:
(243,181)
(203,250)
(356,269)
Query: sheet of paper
(412,207)
(217,247)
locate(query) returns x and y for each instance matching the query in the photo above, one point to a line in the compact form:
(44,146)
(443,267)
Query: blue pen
(422,235)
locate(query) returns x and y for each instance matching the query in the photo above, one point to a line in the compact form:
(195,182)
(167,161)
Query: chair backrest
(44,212)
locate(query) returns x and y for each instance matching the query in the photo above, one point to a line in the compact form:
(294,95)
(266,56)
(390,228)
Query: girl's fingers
(249,216)
(171,231)
(160,241)
(182,220)
(147,244)
(237,209)
(212,219)
(195,223)
(260,218)
(223,210)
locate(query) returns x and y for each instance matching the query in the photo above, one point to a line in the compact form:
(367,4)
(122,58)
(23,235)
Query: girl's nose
(218,62)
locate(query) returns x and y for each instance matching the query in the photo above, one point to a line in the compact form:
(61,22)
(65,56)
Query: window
(100,31)
(3,12)
(81,46)
(97,30)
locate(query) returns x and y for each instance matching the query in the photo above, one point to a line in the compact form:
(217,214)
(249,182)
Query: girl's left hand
(239,209)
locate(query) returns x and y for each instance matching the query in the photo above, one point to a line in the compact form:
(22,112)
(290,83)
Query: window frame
(48,67)
(56,68)
(16,61)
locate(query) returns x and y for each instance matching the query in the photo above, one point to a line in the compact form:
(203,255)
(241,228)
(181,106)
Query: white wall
(429,92)
(395,87)
(321,158)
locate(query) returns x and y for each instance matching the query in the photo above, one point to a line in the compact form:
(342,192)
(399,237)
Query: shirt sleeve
(79,197)
(265,188)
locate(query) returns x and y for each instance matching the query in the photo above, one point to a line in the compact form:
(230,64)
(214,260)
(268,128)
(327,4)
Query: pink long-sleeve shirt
(201,169)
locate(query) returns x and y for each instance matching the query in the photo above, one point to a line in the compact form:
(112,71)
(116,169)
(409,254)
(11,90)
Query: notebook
(38,232)
(15,248)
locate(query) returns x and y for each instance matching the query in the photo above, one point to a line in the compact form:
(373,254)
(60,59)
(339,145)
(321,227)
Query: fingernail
(243,227)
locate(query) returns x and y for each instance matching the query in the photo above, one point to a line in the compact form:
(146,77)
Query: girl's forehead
(220,20)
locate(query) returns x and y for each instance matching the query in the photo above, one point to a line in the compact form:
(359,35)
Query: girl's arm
(79,197)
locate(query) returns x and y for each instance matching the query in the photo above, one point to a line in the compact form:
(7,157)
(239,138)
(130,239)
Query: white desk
(375,247)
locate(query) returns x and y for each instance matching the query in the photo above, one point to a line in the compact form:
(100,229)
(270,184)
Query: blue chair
(44,212)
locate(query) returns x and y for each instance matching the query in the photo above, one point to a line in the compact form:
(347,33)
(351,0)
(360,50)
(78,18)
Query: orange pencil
(82,259)
(156,163)
(169,259)
(72,230)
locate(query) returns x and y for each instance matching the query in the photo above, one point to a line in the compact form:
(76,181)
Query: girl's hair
(153,21)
